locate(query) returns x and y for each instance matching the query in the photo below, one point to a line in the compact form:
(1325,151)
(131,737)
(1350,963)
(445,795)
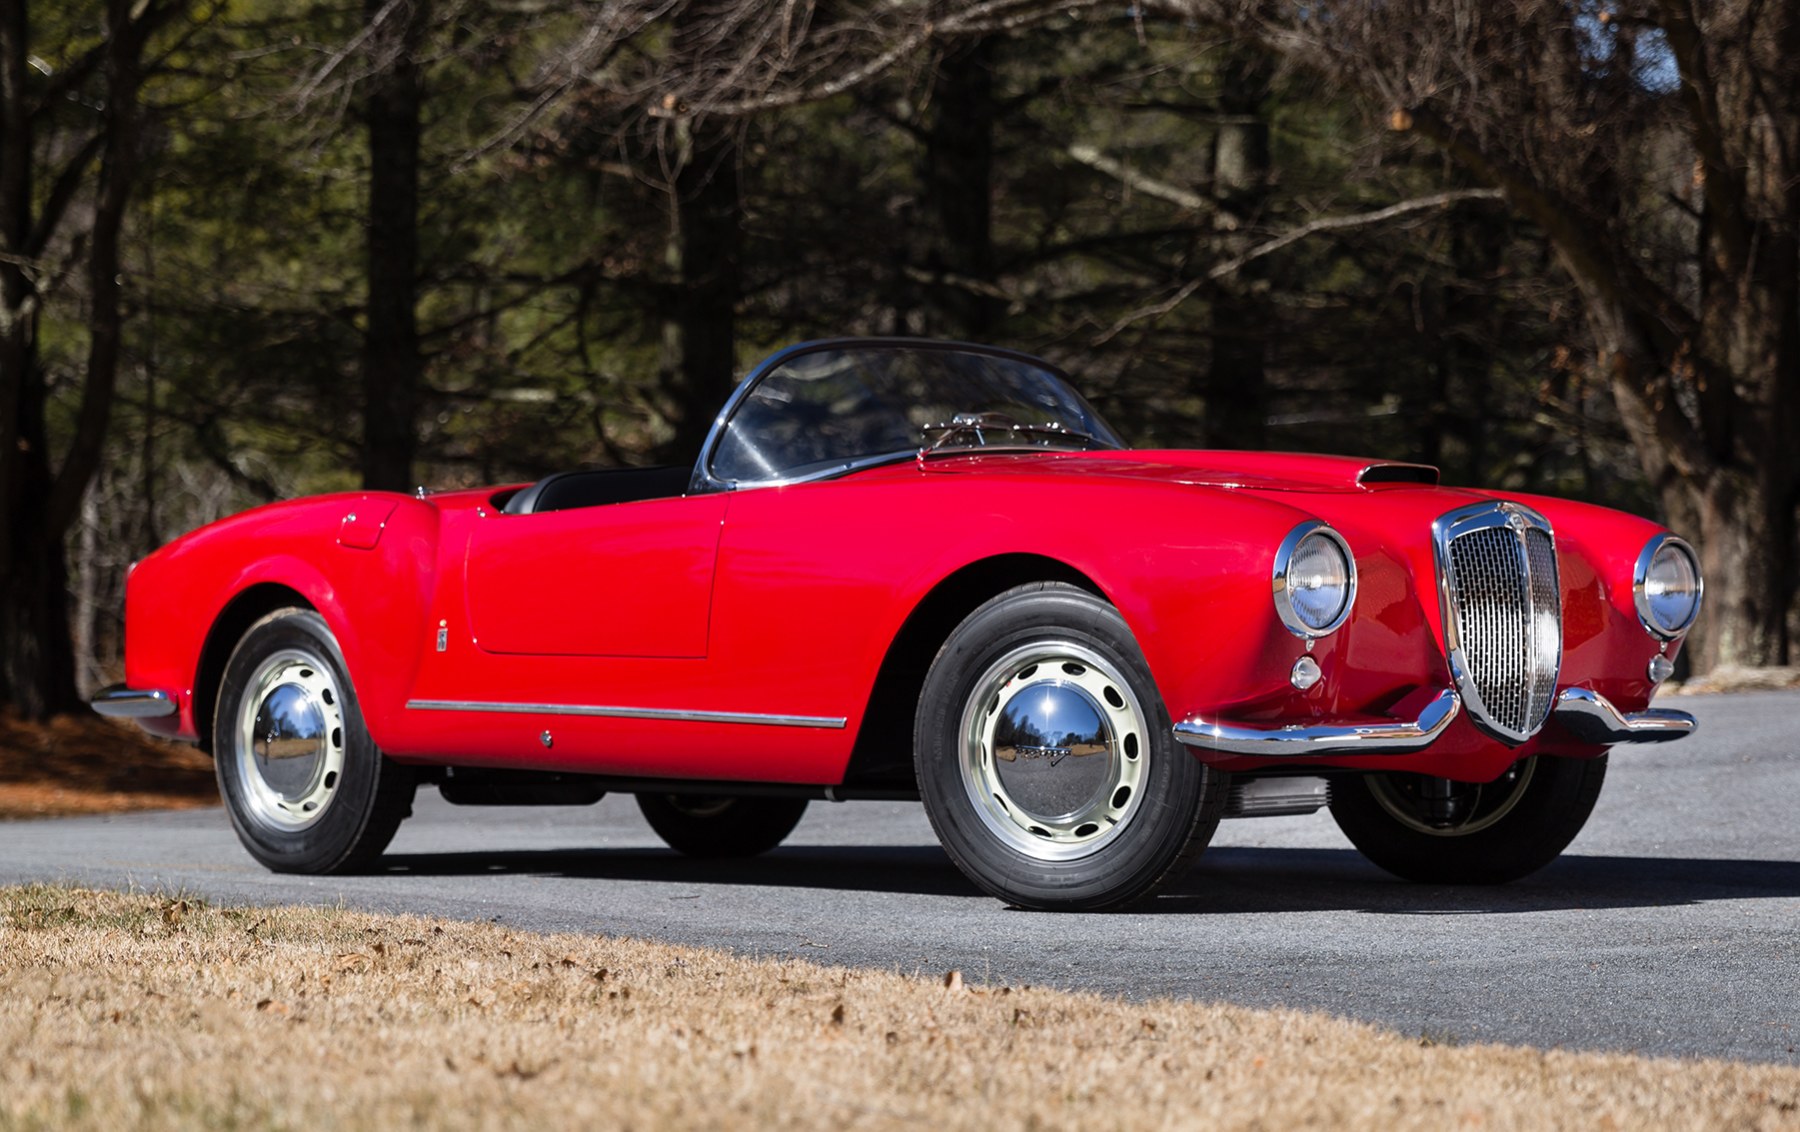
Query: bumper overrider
(1584,714)
(121,702)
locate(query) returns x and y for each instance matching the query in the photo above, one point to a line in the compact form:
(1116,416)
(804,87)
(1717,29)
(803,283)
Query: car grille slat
(1505,602)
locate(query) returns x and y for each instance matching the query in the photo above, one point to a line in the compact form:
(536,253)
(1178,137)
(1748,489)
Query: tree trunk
(37,658)
(959,160)
(391,365)
(1734,498)
(1710,397)
(1460,345)
(1235,387)
(699,350)
(37,506)
(106,317)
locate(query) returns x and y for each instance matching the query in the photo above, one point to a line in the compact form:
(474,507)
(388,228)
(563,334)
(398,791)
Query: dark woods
(253,249)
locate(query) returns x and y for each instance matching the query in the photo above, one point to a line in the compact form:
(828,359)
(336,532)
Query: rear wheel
(306,788)
(1442,832)
(708,825)
(1047,762)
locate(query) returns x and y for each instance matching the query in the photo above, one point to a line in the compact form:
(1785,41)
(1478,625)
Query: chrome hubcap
(1054,749)
(290,749)
(1464,809)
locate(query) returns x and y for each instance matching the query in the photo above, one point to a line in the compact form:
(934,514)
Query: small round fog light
(1660,668)
(1305,674)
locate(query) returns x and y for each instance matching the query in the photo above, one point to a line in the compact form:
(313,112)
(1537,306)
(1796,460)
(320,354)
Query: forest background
(251,249)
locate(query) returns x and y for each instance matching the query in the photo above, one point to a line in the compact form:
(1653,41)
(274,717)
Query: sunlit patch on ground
(87,765)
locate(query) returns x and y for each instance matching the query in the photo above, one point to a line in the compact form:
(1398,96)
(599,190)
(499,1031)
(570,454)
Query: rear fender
(180,601)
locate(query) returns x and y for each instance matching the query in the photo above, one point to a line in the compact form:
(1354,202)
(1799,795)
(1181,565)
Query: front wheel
(1441,832)
(1047,762)
(716,826)
(306,788)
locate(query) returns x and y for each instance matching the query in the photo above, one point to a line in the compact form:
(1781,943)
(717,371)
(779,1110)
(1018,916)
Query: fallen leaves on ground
(83,764)
(167,1012)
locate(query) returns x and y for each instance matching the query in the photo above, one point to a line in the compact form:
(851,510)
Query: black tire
(306,788)
(1506,829)
(1035,817)
(716,826)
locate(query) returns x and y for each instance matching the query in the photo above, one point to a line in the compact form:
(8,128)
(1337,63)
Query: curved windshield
(842,406)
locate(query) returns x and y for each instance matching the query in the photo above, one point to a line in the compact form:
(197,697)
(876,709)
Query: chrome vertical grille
(1502,614)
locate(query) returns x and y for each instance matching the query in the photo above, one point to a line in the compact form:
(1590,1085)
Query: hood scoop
(1397,473)
(1295,471)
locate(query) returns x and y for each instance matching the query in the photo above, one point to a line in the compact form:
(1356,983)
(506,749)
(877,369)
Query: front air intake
(1502,614)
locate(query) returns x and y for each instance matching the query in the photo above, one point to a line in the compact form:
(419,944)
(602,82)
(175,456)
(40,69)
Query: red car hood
(1261,471)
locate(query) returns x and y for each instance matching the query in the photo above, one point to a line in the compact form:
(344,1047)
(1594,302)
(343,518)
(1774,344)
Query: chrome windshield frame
(703,480)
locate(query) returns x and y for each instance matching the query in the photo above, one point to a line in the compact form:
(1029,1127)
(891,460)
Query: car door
(617,580)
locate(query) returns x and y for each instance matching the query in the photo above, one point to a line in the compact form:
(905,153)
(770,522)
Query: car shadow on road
(921,870)
(1245,880)
(1227,881)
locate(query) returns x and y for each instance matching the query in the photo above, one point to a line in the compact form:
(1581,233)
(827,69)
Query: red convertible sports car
(908,569)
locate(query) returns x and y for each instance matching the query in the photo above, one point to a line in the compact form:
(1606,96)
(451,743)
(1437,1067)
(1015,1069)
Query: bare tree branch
(1339,223)
(350,47)
(62,192)
(1135,179)
(1323,224)
(1155,310)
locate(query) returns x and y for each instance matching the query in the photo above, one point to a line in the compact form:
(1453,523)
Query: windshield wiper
(993,429)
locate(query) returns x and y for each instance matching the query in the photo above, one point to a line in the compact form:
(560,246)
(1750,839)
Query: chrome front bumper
(121,702)
(1590,717)
(1587,715)
(1396,737)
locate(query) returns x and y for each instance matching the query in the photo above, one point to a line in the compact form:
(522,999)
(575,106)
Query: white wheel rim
(290,740)
(1055,790)
(1405,811)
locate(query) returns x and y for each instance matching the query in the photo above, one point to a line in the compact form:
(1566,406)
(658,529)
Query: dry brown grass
(83,764)
(160,1012)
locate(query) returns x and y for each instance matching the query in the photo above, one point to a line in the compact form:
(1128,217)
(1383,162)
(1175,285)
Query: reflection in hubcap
(290,740)
(1054,749)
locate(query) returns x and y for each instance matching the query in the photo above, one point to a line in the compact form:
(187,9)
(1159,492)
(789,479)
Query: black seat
(564,490)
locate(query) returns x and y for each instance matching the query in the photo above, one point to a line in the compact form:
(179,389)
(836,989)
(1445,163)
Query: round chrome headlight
(1315,580)
(1666,586)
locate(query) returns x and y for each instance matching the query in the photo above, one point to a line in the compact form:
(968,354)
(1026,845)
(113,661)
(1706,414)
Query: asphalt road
(1671,926)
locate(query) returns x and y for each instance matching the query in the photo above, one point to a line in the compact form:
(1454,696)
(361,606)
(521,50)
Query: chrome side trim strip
(614,712)
(1297,740)
(120,702)
(1591,717)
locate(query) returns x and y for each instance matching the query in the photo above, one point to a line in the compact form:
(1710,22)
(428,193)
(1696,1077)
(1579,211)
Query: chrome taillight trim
(1446,530)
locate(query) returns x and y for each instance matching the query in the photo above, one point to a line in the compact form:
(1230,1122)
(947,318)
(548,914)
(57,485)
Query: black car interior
(565,490)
